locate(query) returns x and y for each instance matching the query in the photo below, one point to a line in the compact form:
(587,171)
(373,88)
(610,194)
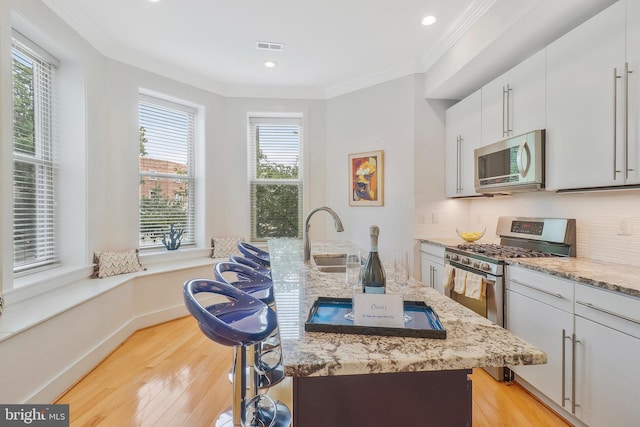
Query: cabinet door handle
(553,294)
(504,92)
(615,120)
(509,89)
(626,120)
(435,277)
(574,405)
(605,311)
(460,164)
(564,374)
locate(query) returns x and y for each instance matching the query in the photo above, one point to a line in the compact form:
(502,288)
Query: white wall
(381,117)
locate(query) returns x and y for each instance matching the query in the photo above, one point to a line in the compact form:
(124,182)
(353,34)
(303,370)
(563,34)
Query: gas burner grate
(491,249)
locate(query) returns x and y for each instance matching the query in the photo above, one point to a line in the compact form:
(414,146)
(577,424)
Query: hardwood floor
(172,375)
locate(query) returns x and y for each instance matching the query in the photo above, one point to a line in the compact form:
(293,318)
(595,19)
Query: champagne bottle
(373,279)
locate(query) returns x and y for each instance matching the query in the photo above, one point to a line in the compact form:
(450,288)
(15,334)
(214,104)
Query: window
(166,167)
(275,147)
(35,168)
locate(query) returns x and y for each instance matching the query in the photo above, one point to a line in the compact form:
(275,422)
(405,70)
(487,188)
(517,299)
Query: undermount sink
(331,263)
(330,259)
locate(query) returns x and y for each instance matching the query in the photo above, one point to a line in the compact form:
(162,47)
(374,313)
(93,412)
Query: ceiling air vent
(278,47)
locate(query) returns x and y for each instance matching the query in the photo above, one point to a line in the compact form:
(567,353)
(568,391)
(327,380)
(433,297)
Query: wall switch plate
(421,219)
(624,226)
(435,218)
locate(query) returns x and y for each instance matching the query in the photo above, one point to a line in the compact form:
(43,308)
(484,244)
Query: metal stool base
(282,418)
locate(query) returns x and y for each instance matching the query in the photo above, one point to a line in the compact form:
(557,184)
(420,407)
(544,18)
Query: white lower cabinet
(598,333)
(607,347)
(543,326)
(539,309)
(432,266)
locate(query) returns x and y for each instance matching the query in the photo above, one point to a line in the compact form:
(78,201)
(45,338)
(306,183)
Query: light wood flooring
(172,375)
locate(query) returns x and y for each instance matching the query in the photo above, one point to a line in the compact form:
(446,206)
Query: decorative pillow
(112,263)
(224,247)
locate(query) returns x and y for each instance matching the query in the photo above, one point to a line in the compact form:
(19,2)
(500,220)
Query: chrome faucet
(307,245)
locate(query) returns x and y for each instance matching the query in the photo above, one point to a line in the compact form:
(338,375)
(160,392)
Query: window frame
(296,119)
(44,159)
(153,175)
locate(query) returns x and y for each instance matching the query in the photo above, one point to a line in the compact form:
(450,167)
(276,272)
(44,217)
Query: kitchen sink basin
(330,259)
(331,263)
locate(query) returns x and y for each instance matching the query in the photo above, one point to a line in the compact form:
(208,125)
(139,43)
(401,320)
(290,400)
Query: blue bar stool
(240,322)
(254,254)
(267,355)
(246,261)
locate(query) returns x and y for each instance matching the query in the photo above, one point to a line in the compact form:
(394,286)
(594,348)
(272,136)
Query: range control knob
(454,257)
(476,264)
(485,266)
(465,261)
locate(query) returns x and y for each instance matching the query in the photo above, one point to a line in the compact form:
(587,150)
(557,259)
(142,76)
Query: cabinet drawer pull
(605,311)
(553,294)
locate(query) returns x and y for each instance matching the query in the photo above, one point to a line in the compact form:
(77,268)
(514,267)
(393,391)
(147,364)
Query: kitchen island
(346,379)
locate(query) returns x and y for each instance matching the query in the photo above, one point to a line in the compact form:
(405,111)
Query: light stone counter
(615,277)
(472,341)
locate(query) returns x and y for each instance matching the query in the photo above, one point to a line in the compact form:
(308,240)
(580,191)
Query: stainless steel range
(520,237)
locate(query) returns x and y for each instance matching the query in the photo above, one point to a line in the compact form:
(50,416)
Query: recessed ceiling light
(270,64)
(428,20)
(154,1)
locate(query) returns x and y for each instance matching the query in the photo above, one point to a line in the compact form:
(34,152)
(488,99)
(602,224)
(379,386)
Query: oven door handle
(487,276)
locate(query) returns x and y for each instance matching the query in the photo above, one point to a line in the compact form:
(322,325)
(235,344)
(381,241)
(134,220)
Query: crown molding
(80,24)
(455,32)
(372,79)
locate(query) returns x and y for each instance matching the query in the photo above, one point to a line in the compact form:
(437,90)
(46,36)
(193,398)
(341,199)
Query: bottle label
(374,289)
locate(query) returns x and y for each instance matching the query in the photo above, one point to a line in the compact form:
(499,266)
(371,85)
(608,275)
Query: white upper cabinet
(463,128)
(514,103)
(585,140)
(633,59)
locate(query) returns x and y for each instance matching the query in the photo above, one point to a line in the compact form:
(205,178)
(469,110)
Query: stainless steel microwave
(515,164)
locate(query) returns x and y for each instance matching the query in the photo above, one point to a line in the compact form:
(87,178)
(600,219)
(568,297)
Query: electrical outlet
(421,219)
(624,226)
(435,218)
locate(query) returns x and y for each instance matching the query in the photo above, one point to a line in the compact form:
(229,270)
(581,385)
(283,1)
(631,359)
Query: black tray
(327,315)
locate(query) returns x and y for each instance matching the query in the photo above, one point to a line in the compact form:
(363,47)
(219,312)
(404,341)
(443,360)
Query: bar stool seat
(240,322)
(246,279)
(254,254)
(268,353)
(252,264)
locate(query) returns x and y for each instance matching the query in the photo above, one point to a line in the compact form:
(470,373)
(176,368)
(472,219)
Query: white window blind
(167,173)
(35,166)
(275,153)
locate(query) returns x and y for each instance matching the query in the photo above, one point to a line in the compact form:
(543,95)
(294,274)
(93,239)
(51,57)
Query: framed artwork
(366,172)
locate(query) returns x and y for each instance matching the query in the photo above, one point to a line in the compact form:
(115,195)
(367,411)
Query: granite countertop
(472,341)
(455,241)
(620,278)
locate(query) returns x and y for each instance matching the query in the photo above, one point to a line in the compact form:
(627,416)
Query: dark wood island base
(431,398)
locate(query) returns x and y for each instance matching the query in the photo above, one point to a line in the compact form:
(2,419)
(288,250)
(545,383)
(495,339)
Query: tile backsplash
(597,215)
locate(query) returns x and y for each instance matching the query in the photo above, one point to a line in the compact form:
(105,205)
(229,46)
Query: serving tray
(327,315)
